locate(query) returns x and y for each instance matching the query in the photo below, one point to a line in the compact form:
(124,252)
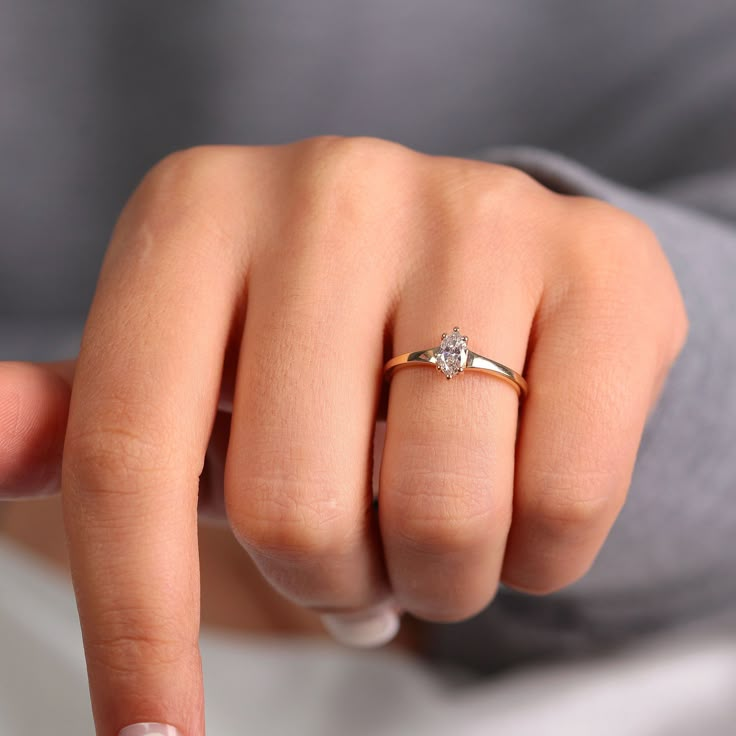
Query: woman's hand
(271,283)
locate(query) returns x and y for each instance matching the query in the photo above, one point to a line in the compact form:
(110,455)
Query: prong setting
(452,354)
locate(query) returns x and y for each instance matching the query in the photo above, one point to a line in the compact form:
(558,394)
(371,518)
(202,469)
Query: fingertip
(34,405)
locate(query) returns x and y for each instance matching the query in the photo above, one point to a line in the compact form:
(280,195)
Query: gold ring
(452,357)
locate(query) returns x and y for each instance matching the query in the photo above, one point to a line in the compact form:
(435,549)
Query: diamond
(452,353)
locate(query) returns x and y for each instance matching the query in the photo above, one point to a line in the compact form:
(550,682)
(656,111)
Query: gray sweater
(630,102)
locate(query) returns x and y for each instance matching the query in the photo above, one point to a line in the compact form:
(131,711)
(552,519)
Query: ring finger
(446,480)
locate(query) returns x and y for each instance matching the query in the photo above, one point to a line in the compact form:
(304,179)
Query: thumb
(34,404)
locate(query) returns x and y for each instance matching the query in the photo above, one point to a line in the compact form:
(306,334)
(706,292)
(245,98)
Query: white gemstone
(452,354)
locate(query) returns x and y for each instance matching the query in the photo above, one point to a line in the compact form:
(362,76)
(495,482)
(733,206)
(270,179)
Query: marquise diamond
(453,353)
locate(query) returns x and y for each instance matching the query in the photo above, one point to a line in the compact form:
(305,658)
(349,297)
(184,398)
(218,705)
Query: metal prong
(456,329)
(465,338)
(444,335)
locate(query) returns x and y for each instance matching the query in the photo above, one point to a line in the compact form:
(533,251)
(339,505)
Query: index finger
(143,402)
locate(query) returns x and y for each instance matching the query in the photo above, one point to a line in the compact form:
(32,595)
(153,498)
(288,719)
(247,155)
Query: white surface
(676,686)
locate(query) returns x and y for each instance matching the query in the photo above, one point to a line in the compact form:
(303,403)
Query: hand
(273,282)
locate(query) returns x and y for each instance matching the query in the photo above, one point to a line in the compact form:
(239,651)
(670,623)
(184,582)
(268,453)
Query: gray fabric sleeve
(670,559)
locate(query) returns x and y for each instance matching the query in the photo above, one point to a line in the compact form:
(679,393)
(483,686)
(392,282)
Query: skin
(234,595)
(231,364)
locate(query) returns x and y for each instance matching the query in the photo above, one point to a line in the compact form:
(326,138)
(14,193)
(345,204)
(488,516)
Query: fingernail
(150,729)
(371,627)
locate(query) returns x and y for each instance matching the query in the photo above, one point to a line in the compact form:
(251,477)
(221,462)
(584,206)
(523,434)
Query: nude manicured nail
(150,729)
(371,627)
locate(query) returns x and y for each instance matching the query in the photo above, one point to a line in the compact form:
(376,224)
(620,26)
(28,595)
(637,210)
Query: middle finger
(298,472)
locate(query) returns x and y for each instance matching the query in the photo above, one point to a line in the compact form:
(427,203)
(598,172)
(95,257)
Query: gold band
(466,360)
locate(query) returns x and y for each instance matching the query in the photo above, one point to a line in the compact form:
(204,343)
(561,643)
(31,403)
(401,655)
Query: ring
(452,357)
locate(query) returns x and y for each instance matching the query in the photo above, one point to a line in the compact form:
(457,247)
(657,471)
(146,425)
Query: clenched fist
(232,363)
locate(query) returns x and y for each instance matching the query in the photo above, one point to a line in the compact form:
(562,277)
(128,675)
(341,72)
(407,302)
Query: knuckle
(290,517)
(355,152)
(443,513)
(191,189)
(476,205)
(503,185)
(130,638)
(572,509)
(128,654)
(608,220)
(622,272)
(612,248)
(478,191)
(110,448)
(347,169)
(341,189)
(187,169)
